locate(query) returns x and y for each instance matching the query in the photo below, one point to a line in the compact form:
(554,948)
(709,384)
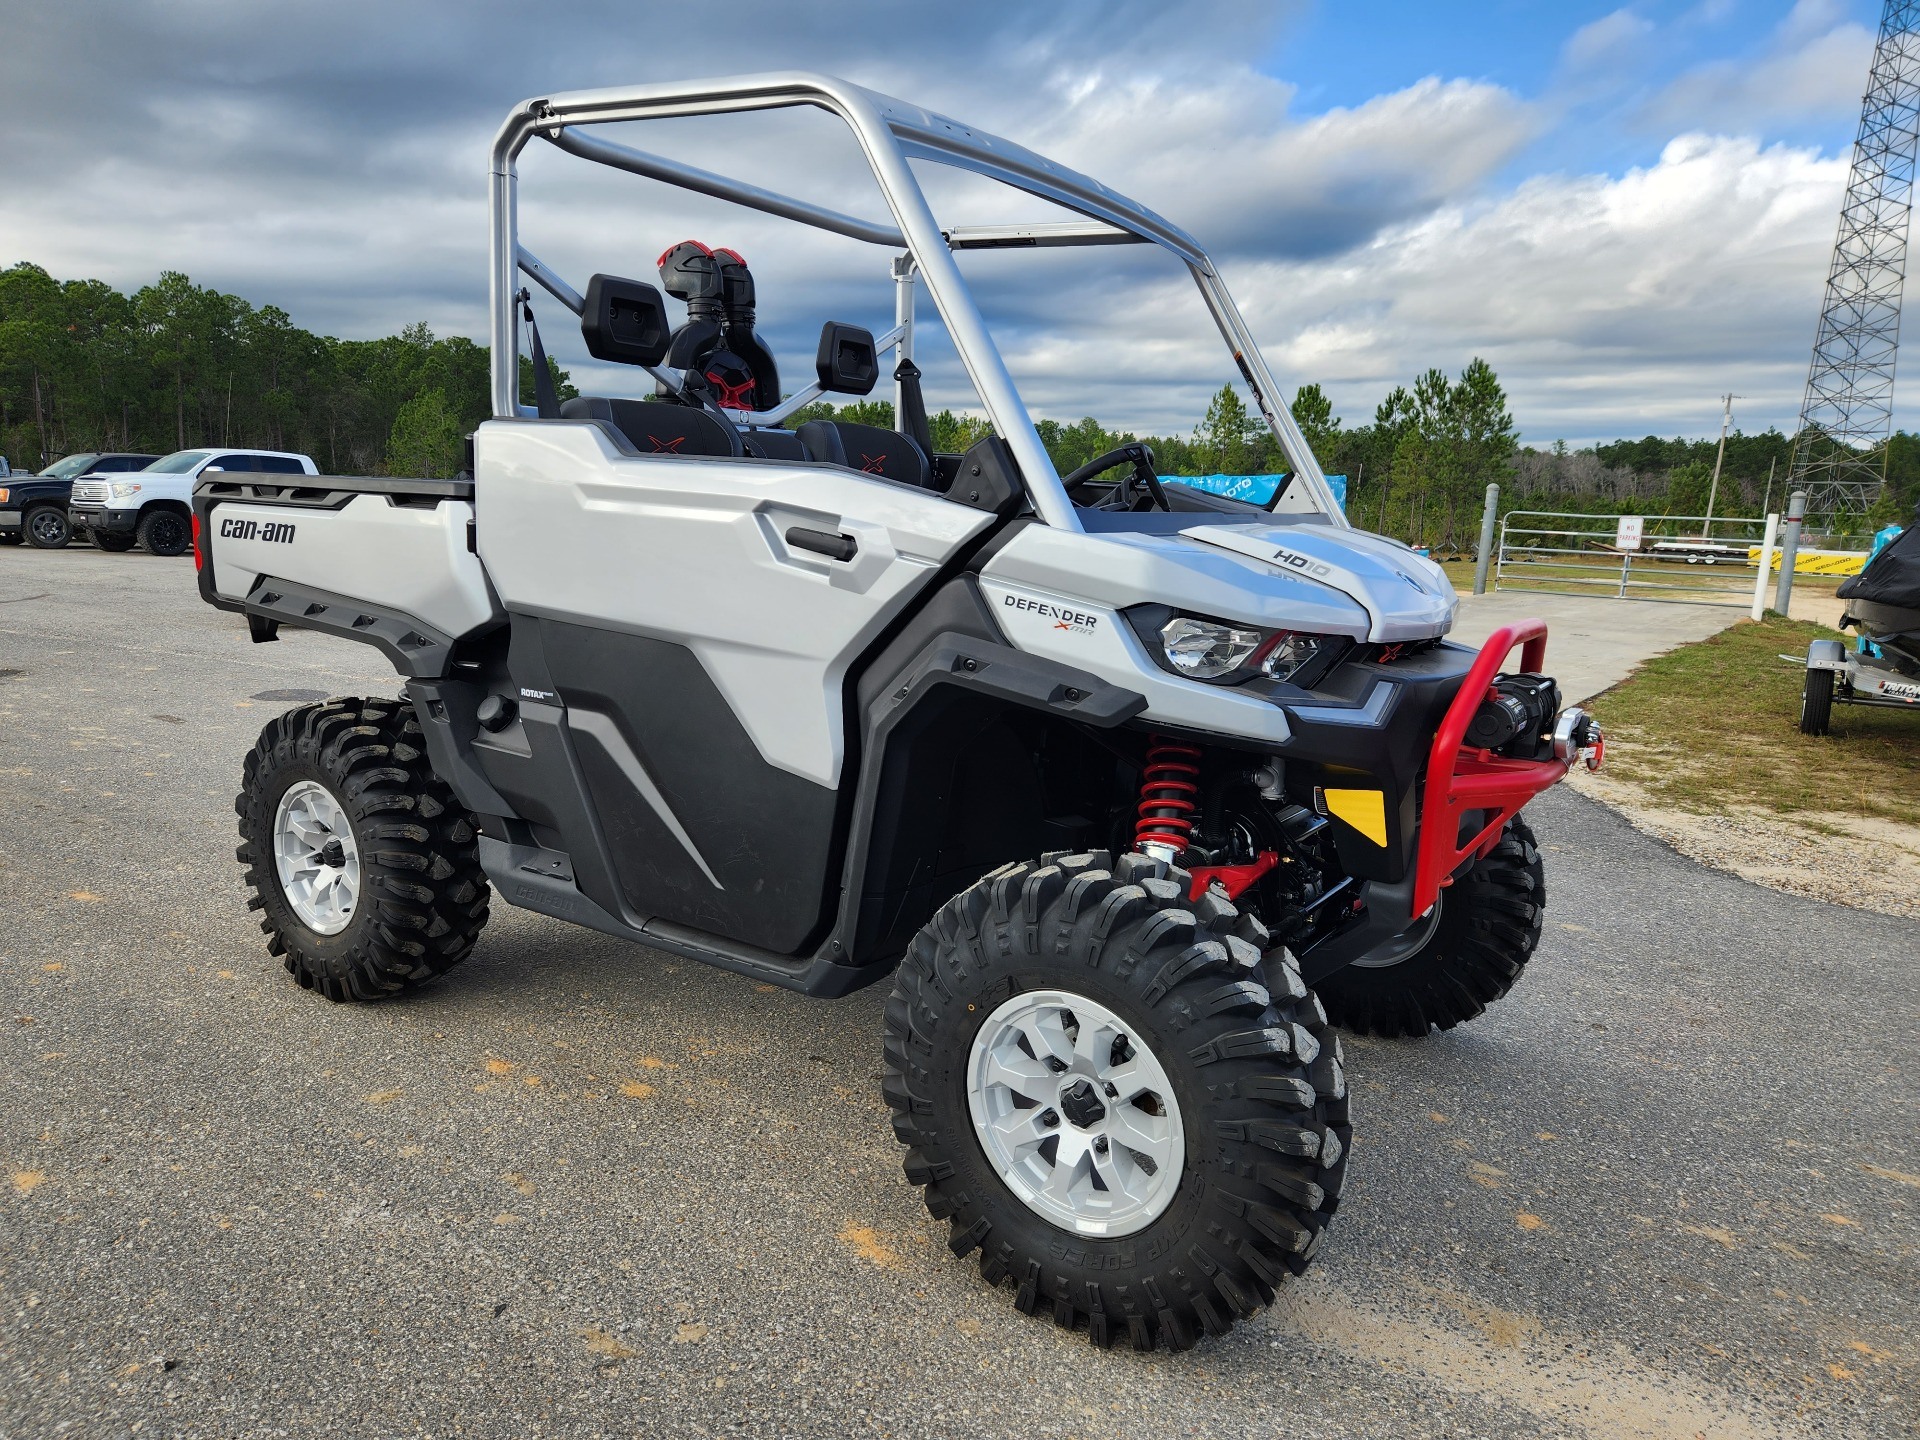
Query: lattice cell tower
(1840,456)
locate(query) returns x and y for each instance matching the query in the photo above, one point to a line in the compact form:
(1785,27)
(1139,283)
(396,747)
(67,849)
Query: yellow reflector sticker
(1364,810)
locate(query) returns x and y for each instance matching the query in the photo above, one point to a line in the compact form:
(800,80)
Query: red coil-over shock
(1168,786)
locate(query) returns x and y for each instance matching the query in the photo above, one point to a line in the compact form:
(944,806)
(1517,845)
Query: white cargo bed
(387,550)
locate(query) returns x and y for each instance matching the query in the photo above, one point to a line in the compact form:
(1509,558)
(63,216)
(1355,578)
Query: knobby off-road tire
(420,897)
(165,533)
(1241,1042)
(1487,930)
(1816,703)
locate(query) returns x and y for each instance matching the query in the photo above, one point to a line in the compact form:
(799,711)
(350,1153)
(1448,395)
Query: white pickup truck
(154,507)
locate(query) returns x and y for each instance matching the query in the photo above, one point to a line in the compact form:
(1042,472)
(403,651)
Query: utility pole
(1713,490)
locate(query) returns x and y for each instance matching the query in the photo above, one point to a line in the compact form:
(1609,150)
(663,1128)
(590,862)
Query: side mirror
(214,470)
(847,364)
(624,321)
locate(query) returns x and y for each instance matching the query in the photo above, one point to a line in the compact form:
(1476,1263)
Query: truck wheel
(113,544)
(365,867)
(164,533)
(1115,1098)
(1816,702)
(47,528)
(1461,958)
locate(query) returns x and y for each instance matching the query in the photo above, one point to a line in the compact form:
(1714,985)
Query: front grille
(91,491)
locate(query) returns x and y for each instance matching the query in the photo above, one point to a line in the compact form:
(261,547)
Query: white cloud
(1815,65)
(1606,40)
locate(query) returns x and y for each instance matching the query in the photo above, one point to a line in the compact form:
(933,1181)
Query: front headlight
(1232,652)
(123,488)
(1206,649)
(1288,653)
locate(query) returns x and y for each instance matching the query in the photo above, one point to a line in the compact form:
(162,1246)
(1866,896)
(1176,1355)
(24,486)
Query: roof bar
(1026,237)
(550,282)
(690,177)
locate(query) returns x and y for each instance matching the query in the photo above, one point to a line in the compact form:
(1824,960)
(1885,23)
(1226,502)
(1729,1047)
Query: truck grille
(91,491)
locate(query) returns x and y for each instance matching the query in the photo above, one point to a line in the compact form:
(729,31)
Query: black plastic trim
(416,649)
(540,880)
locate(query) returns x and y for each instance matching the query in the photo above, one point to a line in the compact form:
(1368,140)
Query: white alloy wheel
(317,859)
(1075,1113)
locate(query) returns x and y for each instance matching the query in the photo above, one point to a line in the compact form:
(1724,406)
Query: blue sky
(1626,209)
(1520,46)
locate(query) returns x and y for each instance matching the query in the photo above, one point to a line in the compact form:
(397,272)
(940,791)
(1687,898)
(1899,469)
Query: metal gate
(1634,557)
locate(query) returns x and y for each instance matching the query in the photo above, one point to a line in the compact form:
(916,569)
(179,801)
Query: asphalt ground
(1670,1187)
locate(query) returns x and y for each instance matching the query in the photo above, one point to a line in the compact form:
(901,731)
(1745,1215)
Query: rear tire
(111,543)
(164,533)
(419,897)
(1258,1100)
(46,528)
(1816,702)
(1488,927)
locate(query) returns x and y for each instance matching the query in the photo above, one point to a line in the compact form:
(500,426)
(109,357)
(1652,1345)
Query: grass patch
(1717,723)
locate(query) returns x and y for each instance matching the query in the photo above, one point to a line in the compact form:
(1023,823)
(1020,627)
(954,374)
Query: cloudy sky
(1626,210)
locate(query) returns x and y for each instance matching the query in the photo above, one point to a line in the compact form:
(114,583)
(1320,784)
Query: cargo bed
(387,561)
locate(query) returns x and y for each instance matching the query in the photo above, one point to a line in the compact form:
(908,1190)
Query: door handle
(823,542)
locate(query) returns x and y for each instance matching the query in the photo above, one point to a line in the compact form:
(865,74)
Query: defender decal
(278,532)
(1075,622)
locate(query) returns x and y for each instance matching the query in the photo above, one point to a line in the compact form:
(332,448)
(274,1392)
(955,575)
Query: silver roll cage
(890,133)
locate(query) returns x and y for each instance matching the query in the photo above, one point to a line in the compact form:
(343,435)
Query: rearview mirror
(847,364)
(624,321)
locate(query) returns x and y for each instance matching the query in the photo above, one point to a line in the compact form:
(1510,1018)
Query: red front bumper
(1462,779)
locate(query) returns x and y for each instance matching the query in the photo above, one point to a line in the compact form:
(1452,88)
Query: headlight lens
(123,488)
(1205,649)
(1288,653)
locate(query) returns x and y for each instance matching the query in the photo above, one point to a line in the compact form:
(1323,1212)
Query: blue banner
(1255,489)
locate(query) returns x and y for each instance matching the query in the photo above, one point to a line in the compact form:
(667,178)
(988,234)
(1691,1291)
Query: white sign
(1627,535)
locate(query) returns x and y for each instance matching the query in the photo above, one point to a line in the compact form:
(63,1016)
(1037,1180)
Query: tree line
(175,364)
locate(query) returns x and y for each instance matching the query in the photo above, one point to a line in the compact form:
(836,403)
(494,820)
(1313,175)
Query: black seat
(768,444)
(870,450)
(655,427)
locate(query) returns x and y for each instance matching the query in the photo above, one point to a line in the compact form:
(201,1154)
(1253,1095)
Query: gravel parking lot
(1671,1187)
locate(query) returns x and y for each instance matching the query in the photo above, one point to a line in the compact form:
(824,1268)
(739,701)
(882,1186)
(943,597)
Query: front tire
(364,866)
(1470,956)
(46,528)
(1110,967)
(164,533)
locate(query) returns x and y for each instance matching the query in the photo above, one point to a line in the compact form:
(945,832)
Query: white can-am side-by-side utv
(1129,788)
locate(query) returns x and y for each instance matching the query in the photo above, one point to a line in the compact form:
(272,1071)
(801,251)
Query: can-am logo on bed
(279,532)
(1074,622)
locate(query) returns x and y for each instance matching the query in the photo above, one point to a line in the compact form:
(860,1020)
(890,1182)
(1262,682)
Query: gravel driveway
(1671,1187)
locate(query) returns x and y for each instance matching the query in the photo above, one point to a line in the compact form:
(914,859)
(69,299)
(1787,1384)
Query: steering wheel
(1123,497)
